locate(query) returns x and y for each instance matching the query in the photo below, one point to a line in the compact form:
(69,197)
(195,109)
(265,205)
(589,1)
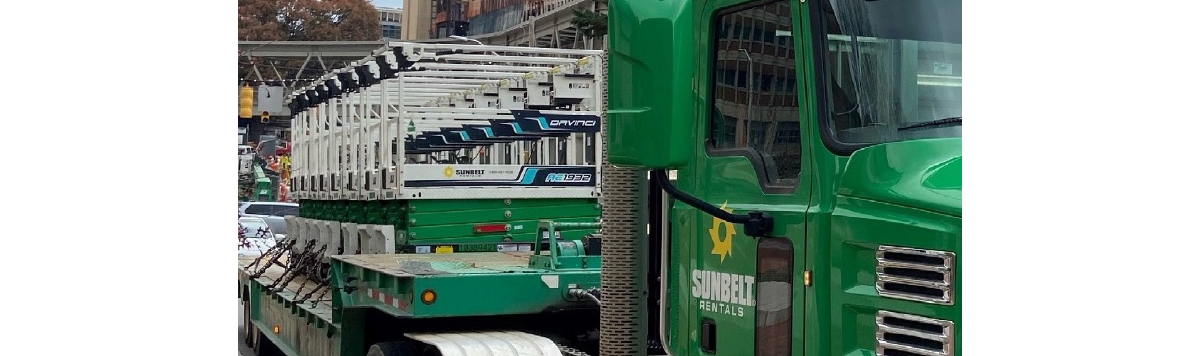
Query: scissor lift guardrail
(423,121)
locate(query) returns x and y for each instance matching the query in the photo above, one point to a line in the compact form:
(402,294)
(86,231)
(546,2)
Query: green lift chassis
(401,304)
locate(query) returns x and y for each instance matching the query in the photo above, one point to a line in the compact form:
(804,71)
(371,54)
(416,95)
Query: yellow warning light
(275,329)
(266,117)
(428,296)
(246,102)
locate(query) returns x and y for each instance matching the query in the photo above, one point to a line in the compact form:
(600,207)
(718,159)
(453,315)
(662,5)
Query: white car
(255,236)
(271,212)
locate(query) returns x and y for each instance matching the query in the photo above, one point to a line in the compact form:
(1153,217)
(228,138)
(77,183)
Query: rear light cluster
(490,228)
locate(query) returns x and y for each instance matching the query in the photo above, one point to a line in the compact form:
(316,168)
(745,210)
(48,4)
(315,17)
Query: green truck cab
(832,131)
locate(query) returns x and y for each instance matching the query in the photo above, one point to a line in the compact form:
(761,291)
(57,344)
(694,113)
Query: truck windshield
(893,71)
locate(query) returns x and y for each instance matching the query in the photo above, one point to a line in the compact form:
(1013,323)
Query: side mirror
(652,61)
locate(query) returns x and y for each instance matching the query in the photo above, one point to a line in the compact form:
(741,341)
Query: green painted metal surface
(856,228)
(929,177)
(457,222)
(395,284)
(480,216)
(489,243)
(429,206)
(508,293)
(564,251)
(831,215)
(650,69)
(262,186)
(466,232)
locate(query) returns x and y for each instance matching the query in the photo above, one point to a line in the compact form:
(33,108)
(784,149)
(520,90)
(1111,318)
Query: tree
(258,21)
(592,24)
(343,20)
(307,20)
(303,20)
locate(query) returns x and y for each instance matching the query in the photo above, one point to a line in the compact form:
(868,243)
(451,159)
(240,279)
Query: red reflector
(482,229)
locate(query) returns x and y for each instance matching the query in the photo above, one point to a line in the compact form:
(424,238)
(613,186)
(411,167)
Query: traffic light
(246,102)
(265,118)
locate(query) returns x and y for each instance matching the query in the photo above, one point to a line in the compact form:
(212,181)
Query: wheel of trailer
(398,348)
(249,331)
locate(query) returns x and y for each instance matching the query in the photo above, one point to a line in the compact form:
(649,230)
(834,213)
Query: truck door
(736,293)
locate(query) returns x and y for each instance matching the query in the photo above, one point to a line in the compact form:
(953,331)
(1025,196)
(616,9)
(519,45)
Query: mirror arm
(758,223)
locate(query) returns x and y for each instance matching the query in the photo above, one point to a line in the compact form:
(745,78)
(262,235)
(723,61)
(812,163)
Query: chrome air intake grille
(910,335)
(914,274)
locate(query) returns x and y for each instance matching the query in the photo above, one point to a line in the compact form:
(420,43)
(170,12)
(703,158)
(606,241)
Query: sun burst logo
(448,172)
(722,246)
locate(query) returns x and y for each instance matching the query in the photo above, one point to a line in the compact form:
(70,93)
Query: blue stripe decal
(542,122)
(464,135)
(531,174)
(488,131)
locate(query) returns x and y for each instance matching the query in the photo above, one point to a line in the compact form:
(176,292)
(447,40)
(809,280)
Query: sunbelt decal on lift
(430,175)
(722,292)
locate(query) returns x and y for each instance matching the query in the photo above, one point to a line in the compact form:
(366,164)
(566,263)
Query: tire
(394,348)
(250,332)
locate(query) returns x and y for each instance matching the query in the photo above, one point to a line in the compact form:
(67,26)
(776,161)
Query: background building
(417,18)
(430,19)
(539,23)
(449,18)
(390,22)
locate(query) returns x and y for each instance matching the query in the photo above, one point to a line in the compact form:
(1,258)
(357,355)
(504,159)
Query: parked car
(254,236)
(272,212)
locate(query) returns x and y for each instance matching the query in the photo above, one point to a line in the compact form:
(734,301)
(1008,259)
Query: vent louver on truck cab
(910,335)
(914,274)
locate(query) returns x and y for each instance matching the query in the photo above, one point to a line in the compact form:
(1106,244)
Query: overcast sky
(388,3)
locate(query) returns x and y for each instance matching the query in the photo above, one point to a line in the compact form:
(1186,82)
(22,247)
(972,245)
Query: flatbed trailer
(541,300)
(449,201)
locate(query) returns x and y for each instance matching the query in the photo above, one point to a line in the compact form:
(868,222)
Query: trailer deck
(451,285)
(305,328)
(305,317)
(443,264)
(300,285)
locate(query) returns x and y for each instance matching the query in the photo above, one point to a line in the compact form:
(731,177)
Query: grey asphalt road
(243,350)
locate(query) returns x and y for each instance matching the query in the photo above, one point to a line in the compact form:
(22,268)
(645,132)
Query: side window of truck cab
(755,109)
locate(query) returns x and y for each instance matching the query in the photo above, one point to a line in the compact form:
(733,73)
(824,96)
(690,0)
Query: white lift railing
(451,121)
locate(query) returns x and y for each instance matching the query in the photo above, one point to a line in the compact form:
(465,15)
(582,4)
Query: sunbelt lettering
(724,293)
(585,123)
(468,172)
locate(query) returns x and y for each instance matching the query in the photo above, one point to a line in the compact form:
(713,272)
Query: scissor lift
(446,148)
(417,121)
